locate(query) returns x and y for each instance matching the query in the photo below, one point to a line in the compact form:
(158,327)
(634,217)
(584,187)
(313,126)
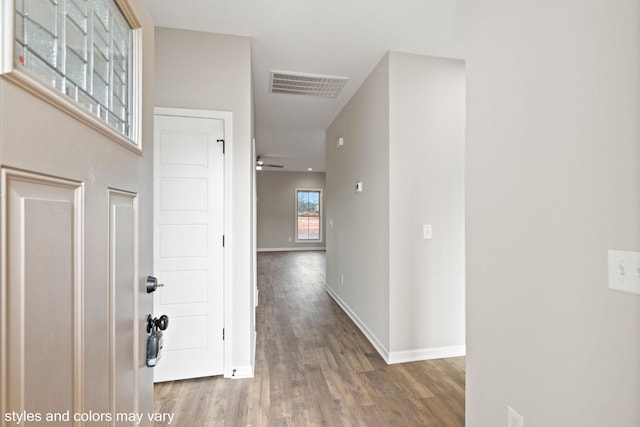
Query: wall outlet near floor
(515,419)
(624,271)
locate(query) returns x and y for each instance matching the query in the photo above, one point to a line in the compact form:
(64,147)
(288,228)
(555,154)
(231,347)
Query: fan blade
(273,166)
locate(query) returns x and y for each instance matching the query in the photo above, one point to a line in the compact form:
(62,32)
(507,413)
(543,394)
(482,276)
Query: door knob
(152,284)
(161,323)
(155,340)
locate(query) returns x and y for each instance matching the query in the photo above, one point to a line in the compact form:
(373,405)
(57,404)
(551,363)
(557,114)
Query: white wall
(553,182)
(358,242)
(213,72)
(404,139)
(426,156)
(277,208)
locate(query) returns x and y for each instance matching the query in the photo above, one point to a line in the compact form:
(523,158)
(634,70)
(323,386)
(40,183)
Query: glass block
(76,69)
(101,111)
(100,65)
(115,122)
(77,12)
(121,32)
(71,90)
(44,12)
(19,52)
(100,89)
(119,108)
(19,28)
(101,11)
(100,42)
(118,70)
(76,39)
(41,42)
(87,101)
(44,70)
(119,89)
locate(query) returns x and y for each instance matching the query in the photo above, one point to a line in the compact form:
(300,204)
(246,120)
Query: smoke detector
(306,84)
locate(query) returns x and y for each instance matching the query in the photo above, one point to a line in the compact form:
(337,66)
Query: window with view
(308,215)
(83,48)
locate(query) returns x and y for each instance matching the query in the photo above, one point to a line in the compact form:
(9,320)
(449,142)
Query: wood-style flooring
(315,368)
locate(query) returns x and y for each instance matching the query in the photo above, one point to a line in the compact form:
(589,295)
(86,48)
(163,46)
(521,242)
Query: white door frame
(227,289)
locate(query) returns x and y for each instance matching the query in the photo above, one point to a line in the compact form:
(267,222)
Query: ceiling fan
(261,164)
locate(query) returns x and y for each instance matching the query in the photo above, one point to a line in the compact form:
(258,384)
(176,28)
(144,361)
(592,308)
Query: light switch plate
(624,271)
(427,231)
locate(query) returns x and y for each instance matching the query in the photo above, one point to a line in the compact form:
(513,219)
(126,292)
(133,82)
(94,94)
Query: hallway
(315,368)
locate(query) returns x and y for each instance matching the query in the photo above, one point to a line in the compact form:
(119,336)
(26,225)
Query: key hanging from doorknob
(152,284)
(161,323)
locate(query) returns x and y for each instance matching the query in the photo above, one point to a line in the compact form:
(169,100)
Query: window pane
(20,29)
(76,39)
(101,65)
(308,218)
(100,43)
(44,70)
(76,68)
(101,10)
(41,42)
(44,13)
(83,48)
(100,89)
(77,12)
(303,228)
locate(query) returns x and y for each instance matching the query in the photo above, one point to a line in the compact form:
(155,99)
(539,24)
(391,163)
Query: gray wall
(358,242)
(553,182)
(404,139)
(213,72)
(426,156)
(276,208)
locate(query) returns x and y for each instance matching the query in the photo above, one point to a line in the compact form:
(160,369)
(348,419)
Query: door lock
(152,284)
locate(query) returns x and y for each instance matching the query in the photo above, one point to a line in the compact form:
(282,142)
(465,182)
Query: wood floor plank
(315,368)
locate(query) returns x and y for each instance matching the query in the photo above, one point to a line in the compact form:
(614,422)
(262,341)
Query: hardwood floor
(315,368)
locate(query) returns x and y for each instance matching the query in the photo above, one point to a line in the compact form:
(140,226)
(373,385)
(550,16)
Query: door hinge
(223,240)
(223,142)
(222,334)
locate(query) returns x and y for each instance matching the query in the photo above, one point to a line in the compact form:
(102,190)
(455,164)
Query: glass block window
(82,48)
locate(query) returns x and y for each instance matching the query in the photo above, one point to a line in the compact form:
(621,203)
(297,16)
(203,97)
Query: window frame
(320,239)
(14,72)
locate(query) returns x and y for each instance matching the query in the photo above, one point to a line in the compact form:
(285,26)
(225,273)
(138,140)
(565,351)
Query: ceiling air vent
(306,84)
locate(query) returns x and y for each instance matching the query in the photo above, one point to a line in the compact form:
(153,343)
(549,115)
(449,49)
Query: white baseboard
(297,248)
(427,354)
(363,328)
(398,356)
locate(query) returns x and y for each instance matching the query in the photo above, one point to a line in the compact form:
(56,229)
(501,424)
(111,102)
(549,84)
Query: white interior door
(188,243)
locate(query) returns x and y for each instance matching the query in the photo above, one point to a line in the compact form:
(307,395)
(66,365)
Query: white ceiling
(336,37)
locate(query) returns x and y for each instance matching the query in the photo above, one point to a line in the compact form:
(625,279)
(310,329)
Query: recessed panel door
(188,246)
